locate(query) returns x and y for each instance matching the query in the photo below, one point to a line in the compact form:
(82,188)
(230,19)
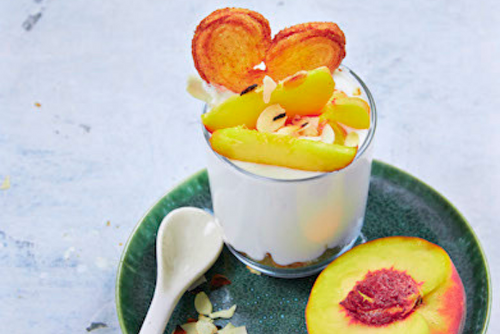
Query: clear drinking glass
(292,228)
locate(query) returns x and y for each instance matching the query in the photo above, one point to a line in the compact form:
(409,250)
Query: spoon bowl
(188,243)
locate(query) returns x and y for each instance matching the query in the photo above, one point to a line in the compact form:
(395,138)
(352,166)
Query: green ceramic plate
(398,204)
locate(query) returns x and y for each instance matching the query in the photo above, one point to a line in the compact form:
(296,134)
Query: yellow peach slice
(273,149)
(351,111)
(236,110)
(304,94)
(340,133)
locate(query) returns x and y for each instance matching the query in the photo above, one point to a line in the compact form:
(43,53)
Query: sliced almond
(224,314)
(226,328)
(308,126)
(190,328)
(197,90)
(352,139)
(202,304)
(314,121)
(268,88)
(201,317)
(6,183)
(271,119)
(327,135)
(205,327)
(179,330)
(308,130)
(301,122)
(288,130)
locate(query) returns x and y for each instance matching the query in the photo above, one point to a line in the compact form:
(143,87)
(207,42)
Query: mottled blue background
(115,129)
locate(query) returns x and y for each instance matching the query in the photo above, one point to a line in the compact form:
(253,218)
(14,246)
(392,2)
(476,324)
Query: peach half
(391,285)
(280,150)
(304,93)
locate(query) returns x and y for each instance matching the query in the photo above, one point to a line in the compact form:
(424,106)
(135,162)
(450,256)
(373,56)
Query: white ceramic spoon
(188,243)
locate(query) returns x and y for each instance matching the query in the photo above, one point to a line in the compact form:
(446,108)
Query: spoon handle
(160,310)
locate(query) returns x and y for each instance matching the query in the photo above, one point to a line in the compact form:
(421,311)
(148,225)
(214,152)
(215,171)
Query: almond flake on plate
(202,304)
(202,317)
(190,328)
(205,327)
(224,314)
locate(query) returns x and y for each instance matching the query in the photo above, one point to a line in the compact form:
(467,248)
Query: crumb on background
(6,183)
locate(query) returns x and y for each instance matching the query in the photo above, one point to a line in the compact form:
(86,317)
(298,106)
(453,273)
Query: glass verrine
(292,227)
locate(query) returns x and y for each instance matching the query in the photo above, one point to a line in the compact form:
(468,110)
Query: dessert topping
(271,119)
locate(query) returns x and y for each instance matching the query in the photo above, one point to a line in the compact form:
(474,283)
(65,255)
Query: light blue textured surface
(116,129)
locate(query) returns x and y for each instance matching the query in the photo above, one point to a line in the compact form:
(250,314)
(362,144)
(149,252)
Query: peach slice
(228,44)
(351,111)
(236,110)
(340,132)
(305,93)
(388,286)
(305,96)
(273,149)
(305,47)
